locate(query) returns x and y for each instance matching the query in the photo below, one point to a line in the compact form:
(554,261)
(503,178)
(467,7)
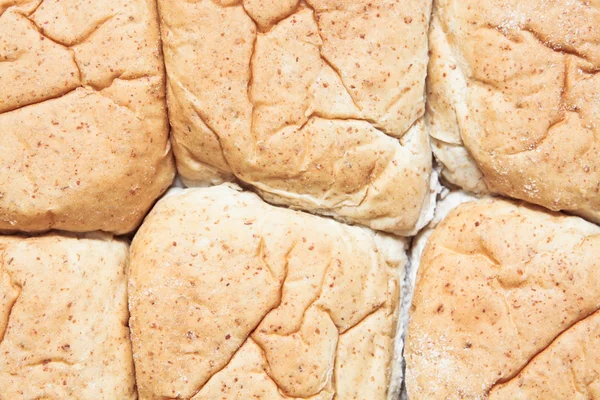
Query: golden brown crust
(305,101)
(497,284)
(82,115)
(63,318)
(515,98)
(231,297)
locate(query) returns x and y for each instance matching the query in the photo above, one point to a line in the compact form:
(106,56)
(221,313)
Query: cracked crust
(502,289)
(63,318)
(82,115)
(514,99)
(318,105)
(568,369)
(233,298)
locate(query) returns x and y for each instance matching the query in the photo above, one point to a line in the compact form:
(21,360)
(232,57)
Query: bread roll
(505,306)
(83,128)
(63,318)
(232,298)
(317,104)
(514,99)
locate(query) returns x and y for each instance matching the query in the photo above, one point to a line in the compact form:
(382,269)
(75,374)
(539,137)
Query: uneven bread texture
(83,124)
(232,298)
(319,104)
(514,99)
(63,318)
(568,369)
(505,305)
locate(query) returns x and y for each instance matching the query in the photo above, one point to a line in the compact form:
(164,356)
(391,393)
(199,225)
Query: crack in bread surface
(574,372)
(70,48)
(11,302)
(508,379)
(317,297)
(266,358)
